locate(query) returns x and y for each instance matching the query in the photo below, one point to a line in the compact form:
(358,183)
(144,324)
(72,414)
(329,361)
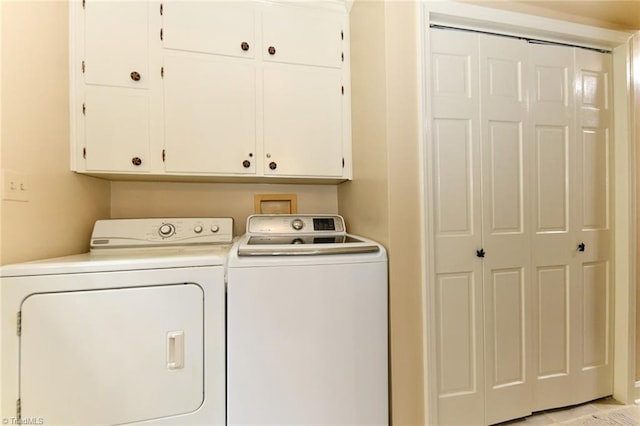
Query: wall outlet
(14,186)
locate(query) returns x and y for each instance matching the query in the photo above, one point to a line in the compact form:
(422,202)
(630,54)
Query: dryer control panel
(162,232)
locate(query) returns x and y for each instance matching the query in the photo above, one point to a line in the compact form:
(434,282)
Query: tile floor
(605,412)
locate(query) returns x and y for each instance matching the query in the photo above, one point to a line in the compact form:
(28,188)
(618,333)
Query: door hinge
(163,155)
(162,72)
(83,67)
(161,34)
(84,109)
(84,153)
(161,9)
(19,323)
(18,411)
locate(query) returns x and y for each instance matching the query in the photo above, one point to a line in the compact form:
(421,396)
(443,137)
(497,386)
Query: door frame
(626,93)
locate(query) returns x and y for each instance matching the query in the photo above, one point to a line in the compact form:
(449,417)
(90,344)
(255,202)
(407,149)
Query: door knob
(581,247)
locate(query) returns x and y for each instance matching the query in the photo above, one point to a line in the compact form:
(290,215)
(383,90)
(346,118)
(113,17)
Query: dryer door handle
(175,350)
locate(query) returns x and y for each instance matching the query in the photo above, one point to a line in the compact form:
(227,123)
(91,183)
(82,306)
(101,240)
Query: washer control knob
(215,228)
(166,230)
(197,229)
(297,224)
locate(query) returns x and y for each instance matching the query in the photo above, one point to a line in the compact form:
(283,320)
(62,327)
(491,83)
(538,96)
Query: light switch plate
(14,186)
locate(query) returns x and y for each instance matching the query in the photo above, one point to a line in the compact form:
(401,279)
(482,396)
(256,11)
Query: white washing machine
(132,332)
(306,325)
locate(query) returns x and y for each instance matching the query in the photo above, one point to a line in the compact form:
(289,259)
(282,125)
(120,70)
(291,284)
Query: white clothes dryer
(131,332)
(306,325)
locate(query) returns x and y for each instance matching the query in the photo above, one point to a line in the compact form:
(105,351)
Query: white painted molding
(498,21)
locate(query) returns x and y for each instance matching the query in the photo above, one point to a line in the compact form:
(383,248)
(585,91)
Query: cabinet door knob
(136,161)
(244,46)
(135,76)
(272,165)
(271,50)
(246,164)
(480,253)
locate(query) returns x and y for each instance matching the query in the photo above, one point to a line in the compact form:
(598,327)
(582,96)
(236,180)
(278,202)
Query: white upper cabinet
(218,27)
(299,35)
(116,43)
(233,89)
(111,109)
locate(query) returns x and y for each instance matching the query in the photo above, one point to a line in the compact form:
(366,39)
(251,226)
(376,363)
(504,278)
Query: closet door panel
(553,161)
(506,224)
(457,216)
(593,204)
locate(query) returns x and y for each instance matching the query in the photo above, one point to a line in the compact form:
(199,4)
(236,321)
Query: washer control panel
(124,233)
(283,224)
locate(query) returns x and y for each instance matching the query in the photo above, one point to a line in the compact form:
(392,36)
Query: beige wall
(383,201)
(236,200)
(34,139)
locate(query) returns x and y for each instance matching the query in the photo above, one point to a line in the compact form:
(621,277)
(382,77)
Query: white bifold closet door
(520,143)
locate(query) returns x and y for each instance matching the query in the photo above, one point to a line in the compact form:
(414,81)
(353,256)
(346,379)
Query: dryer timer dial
(166,230)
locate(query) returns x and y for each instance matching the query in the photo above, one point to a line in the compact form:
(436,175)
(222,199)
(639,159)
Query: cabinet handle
(136,161)
(581,247)
(135,76)
(271,50)
(246,164)
(272,165)
(244,46)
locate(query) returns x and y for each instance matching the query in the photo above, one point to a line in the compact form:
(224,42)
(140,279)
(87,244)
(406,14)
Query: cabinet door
(220,27)
(210,120)
(302,121)
(116,129)
(297,35)
(112,356)
(116,43)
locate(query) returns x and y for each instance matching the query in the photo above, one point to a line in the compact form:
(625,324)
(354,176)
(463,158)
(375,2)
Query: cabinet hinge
(18,411)
(161,34)
(162,72)
(343,162)
(163,155)
(19,323)
(161,9)
(83,67)
(341,35)
(84,153)
(84,2)
(342,90)
(342,56)
(84,109)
